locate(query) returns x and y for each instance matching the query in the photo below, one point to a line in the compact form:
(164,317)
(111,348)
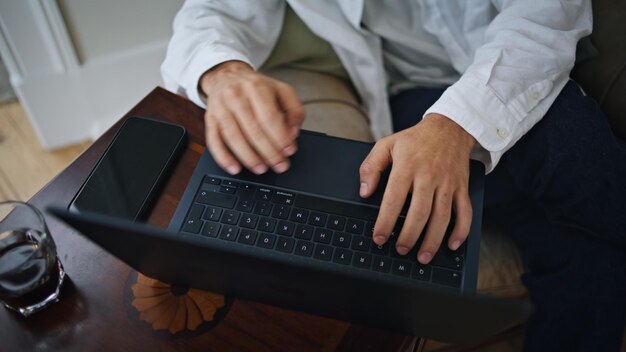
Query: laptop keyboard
(286,221)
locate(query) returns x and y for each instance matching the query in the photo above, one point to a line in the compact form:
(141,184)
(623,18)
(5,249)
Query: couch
(332,107)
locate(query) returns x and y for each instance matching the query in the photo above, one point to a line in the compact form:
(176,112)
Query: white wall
(98,28)
(78,65)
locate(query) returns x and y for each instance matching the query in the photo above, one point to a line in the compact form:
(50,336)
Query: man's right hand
(250,120)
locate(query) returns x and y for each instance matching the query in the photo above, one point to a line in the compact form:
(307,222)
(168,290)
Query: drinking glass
(31,275)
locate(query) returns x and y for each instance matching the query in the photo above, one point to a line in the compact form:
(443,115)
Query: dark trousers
(560,192)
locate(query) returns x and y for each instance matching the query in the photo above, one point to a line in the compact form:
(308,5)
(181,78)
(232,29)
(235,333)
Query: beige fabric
(499,266)
(331,106)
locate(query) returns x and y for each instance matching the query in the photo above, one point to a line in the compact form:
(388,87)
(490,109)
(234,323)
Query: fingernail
(233,169)
(259,169)
(424,257)
(380,240)
(455,245)
(290,150)
(402,250)
(281,167)
(363,190)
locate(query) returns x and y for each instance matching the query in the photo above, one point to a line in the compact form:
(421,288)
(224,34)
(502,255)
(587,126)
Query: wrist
(460,134)
(208,78)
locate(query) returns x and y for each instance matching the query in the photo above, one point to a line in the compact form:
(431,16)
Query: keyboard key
(247,186)
(401,268)
(230,183)
(304,248)
(299,215)
(263,208)
(323,252)
(193,222)
(285,228)
(211,180)
(335,207)
(212,214)
(382,264)
(369,230)
(244,194)
(341,239)
(264,194)
(380,250)
(267,224)
(192,225)
(421,272)
(283,198)
(226,189)
(362,260)
(448,259)
(304,232)
(342,256)
(245,205)
(248,221)
(361,243)
(221,200)
(195,212)
(281,211)
(229,233)
(211,229)
(336,222)
(247,236)
(323,235)
(355,226)
(266,240)
(397,228)
(446,277)
(317,219)
(230,217)
(285,244)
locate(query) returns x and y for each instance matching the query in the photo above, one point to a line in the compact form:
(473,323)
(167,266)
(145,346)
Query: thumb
(373,166)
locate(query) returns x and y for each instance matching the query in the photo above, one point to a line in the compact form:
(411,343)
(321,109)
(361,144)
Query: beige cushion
(331,105)
(333,108)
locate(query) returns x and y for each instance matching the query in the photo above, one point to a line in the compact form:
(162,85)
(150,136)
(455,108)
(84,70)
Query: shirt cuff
(476,108)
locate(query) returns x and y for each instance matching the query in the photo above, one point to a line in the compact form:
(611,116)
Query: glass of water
(31,275)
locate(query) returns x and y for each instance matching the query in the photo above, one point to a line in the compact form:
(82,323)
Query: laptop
(302,240)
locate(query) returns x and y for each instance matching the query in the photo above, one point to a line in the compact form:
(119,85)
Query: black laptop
(302,240)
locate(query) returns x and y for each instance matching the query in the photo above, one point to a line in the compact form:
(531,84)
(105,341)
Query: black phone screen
(131,168)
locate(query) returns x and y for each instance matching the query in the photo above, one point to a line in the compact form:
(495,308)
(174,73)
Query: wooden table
(97,311)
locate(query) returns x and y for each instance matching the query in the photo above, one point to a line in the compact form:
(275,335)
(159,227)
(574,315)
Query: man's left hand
(431,166)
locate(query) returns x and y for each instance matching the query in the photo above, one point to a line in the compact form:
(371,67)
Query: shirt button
(502,132)
(534,95)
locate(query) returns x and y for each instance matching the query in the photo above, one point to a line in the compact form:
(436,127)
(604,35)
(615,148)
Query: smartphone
(132,168)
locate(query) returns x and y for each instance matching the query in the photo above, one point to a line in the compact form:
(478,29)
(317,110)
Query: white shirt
(509,58)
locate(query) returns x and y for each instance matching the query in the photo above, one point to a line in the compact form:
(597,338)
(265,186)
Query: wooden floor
(25,166)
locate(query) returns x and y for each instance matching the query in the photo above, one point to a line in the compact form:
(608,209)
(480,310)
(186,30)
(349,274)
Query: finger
(373,166)
(416,218)
(392,203)
(222,156)
(265,107)
(463,223)
(291,105)
(258,139)
(233,138)
(437,225)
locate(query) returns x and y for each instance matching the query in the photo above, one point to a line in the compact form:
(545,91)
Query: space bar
(335,207)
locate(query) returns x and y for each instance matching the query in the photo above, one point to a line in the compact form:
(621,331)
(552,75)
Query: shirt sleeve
(207,33)
(516,74)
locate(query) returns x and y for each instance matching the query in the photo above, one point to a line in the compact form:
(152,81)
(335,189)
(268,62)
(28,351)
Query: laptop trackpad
(320,159)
